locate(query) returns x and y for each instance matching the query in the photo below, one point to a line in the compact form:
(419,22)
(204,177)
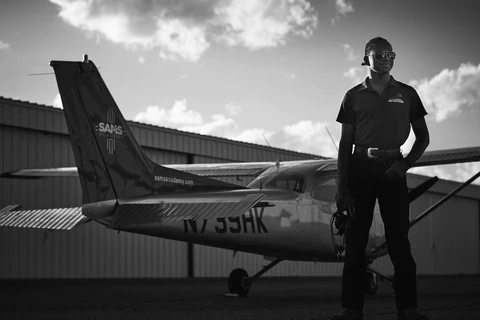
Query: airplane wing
(51,219)
(201,169)
(429,158)
(238,169)
(449,156)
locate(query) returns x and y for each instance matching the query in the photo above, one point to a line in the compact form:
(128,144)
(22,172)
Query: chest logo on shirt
(397,98)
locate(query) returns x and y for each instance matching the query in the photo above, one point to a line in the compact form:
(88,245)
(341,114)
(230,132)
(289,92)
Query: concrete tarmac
(441,298)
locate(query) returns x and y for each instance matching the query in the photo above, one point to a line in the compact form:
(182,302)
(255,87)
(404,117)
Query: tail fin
(110,162)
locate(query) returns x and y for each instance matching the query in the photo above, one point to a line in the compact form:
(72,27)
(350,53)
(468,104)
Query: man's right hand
(343,196)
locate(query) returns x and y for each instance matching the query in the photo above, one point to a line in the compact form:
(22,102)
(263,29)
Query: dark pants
(367,182)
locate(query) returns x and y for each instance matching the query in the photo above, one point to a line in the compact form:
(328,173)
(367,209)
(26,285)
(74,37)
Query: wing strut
(433,207)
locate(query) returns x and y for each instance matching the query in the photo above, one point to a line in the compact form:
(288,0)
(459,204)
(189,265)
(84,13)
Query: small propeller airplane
(287,212)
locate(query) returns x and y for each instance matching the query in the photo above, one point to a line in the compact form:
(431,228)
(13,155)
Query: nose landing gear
(239,283)
(371,285)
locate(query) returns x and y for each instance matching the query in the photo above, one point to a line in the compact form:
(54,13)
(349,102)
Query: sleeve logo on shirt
(397,98)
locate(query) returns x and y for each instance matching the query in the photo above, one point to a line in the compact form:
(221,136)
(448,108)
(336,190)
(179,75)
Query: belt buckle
(369,152)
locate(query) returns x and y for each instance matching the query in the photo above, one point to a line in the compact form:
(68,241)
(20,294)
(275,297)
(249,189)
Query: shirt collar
(364,85)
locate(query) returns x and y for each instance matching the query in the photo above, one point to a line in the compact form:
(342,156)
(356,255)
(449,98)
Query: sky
(260,71)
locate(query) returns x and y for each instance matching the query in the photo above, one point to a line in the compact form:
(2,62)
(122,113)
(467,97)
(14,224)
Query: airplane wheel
(371,284)
(239,282)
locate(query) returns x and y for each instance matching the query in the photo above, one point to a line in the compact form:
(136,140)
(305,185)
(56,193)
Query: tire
(239,282)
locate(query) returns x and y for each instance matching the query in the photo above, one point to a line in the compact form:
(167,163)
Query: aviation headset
(365,61)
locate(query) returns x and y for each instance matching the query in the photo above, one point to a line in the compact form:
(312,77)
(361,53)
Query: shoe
(348,314)
(411,314)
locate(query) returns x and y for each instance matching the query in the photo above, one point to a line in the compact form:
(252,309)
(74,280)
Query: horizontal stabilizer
(64,172)
(53,219)
(174,210)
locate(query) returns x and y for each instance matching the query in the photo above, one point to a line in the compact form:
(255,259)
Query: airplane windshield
(325,188)
(288,181)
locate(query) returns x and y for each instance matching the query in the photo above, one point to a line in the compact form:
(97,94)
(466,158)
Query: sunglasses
(384,55)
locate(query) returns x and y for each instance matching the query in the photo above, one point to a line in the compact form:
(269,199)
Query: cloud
(342,7)
(304,136)
(57,101)
(264,23)
(357,74)
(185,29)
(178,115)
(233,108)
(350,53)
(459,172)
(4,45)
(450,91)
(139,25)
(219,126)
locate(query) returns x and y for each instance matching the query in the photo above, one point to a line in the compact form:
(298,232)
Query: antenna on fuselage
(277,162)
(268,144)
(333,141)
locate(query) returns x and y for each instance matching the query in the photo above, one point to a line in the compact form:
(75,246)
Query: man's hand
(343,196)
(398,170)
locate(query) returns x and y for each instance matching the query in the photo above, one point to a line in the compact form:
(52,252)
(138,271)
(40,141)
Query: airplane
(288,212)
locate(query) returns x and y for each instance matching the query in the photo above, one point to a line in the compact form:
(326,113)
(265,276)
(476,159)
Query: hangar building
(35,136)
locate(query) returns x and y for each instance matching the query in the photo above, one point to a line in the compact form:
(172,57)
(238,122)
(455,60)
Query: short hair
(372,43)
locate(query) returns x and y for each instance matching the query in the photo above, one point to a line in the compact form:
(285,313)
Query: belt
(377,153)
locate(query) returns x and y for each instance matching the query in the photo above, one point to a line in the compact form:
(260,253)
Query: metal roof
(171,130)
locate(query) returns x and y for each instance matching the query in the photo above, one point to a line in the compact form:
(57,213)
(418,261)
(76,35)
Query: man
(376,116)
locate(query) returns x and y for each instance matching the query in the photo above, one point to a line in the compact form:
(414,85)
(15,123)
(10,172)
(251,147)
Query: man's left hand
(398,170)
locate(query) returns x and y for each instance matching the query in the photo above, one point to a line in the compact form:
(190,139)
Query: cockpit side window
(325,187)
(289,181)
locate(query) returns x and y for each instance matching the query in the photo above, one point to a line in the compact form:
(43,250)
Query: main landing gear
(239,283)
(371,285)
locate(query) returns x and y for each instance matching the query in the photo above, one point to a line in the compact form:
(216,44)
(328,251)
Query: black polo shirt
(381,121)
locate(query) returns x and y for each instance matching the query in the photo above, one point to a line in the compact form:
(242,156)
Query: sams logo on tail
(110,130)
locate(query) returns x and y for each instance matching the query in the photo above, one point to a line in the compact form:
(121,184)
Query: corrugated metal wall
(33,136)
(89,251)
(448,240)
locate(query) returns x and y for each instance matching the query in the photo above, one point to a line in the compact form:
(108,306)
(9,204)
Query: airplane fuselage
(291,225)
